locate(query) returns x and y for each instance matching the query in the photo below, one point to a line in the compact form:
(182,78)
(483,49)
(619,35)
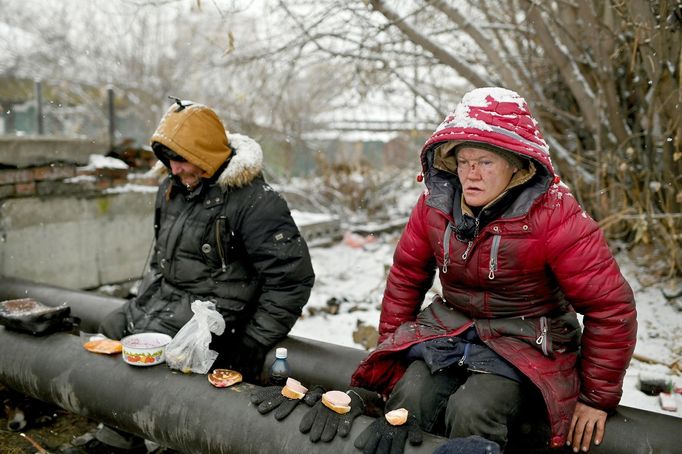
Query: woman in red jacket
(517,257)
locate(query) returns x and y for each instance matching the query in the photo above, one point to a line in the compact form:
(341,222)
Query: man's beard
(194,178)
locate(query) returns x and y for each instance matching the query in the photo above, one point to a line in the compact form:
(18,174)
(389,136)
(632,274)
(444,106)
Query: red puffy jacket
(517,281)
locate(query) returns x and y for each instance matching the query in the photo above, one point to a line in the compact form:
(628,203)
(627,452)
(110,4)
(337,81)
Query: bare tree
(602,76)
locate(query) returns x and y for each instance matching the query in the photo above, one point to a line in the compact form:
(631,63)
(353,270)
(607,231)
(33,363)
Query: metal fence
(71,110)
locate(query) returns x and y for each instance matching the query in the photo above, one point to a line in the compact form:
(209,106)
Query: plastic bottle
(279,371)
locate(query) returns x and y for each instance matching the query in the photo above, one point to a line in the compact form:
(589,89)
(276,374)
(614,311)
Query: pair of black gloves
(323,424)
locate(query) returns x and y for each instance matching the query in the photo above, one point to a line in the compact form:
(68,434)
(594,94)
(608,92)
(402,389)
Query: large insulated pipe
(629,430)
(91,308)
(306,357)
(183,412)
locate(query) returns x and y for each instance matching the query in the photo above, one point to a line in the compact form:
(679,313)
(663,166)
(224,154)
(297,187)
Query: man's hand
(247,357)
(587,421)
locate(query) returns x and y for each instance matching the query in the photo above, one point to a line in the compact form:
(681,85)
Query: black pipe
(183,412)
(629,430)
(89,307)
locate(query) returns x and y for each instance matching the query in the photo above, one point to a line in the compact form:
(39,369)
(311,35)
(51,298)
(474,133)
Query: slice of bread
(222,378)
(293,389)
(337,401)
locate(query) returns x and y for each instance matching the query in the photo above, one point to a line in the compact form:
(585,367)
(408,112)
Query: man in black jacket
(222,235)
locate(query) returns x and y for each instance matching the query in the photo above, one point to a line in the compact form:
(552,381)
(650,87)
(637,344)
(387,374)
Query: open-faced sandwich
(222,378)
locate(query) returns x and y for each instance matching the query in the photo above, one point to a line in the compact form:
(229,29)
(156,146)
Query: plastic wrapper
(188,351)
(31,316)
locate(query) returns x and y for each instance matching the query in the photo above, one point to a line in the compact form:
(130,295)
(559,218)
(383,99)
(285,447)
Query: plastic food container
(145,349)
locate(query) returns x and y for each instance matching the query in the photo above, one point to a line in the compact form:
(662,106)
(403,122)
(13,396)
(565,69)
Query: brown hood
(196,133)
(244,167)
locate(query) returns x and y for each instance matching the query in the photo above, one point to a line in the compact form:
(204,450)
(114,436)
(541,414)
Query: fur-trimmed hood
(194,132)
(245,164)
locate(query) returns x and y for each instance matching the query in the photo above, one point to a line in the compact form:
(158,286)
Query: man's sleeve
(282,260)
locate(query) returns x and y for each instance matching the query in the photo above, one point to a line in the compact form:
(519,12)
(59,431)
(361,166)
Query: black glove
(324,423)
(247,357)
(271,398)
(380,437)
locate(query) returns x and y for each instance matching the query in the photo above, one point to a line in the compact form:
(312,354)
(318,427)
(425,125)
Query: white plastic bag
(188,351)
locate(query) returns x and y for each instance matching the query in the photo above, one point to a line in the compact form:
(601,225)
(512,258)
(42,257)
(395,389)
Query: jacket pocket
(216,242)
(549,335)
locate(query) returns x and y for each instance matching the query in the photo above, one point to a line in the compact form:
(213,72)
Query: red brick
(9,176)
(103,183)
(6,190)
(54,172)
(146,181)
(111,173)
(56,187)
(82,171)
(25,188)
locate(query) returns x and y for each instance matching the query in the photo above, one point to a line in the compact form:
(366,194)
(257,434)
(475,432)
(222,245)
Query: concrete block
(76,242)
(28,151)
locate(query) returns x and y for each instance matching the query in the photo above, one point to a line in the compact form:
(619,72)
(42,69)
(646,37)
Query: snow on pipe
(629,430)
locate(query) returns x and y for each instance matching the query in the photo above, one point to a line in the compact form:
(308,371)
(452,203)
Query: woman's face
(484,175)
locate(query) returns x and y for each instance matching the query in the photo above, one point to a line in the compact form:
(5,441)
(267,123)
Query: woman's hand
(587,421)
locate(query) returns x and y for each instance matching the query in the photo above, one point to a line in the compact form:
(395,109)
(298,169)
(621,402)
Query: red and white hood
(494,116)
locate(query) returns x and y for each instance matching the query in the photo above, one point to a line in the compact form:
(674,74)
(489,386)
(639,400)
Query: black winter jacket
(231,241)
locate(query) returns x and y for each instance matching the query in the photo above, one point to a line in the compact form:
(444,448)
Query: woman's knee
(483,406)
(423,394)
(410,390)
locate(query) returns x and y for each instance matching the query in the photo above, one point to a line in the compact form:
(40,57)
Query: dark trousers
(457,403)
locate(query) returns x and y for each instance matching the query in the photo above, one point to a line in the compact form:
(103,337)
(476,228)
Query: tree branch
(418,38)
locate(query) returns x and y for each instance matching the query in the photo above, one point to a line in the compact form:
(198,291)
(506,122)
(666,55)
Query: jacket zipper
(493,256)
(219,223)
(542,338)
(470,244)
(446,247)
(464,355)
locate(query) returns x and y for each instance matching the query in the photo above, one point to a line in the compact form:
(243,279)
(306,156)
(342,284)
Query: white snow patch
(97,161)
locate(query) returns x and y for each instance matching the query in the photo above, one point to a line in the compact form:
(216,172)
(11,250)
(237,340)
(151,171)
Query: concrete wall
(89,241)
(25,151)
(76,242)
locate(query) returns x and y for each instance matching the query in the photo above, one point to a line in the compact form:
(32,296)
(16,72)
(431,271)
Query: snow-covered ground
(351,278)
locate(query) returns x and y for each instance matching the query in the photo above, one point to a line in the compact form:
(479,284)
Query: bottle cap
(281,352)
